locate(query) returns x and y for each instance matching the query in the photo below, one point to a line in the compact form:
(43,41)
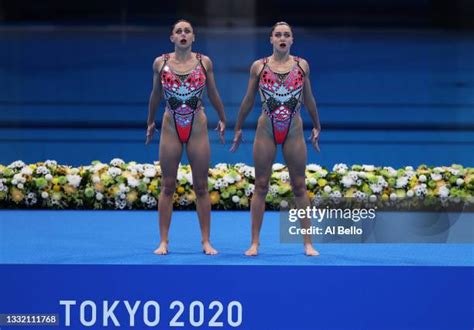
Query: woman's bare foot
(310,251)
(252,251)
(162,249)
(208,249)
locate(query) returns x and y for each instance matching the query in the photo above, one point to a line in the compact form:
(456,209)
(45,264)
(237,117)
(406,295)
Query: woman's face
(282,38)
(182,35)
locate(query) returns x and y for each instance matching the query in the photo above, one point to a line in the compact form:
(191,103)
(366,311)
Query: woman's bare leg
(264,150)
(170,155)
(295,154)
(199,154)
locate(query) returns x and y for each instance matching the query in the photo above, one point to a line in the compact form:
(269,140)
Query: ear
(171,38)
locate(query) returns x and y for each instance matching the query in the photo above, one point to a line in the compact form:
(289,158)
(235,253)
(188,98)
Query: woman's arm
(214,96)
(247,103)
(310,105)
(155,98)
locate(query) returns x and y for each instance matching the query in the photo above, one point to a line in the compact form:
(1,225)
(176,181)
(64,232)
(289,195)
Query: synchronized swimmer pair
(284,85)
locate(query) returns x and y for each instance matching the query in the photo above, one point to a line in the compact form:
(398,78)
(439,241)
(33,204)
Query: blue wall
(385,97)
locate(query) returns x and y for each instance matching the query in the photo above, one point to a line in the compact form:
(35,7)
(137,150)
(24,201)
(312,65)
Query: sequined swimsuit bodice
(281,96)
(183,94)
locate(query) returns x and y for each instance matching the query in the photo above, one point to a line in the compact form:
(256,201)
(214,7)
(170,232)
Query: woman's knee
(261,187)
(200,188)
(168,186)
(299,187)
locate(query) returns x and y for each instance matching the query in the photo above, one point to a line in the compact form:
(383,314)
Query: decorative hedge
(121,185)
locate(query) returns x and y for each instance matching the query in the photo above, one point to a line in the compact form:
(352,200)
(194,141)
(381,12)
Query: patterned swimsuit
(183,95)
(281,97)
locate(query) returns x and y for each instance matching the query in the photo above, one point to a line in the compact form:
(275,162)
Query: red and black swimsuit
(281,97)
(183,95)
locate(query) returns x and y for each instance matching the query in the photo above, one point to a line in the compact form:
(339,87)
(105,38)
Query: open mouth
(282,45)
(183,41)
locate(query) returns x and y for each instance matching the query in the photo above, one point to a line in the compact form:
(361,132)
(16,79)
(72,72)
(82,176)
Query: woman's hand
(314,138)
(221,131)
(236,141)
(150,132)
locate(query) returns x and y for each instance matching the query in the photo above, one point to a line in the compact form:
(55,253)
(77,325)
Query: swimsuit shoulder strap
(199,58)
(298,60)
(264,61)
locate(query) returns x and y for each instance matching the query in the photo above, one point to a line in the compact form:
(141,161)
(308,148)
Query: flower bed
(120,185)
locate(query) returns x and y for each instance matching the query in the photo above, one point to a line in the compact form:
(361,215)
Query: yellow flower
(244,201)
(191,196)
(68,189)
(180,190)
(99,187)
(57,188)
(322,182)
(385,197)
(132,196)
(214,197)
(17,195)
(152,187)
(310,194)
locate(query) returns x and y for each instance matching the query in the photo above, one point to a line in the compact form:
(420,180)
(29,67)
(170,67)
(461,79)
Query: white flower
(381,182)
(347,181)
(277,167)
(26,171)
(117,162)
(368,168)
(249,190)
(340,168)
(51,163)
(95,179)
(99,196)
(121,204)
(20,186)
(97,167)
(313,168)
(229,179)
(122,188)
(410,193)
(312,181)
(376,188)
(402,182)
(409,168)
(44,195)
(42,170)
(273,190)
(453,171)
(393,196)
(353,175)
(438,169)
(74,180)
(16,164)
(123,196)
(327,189)
(362,175)
(420,190)
(189,177)
(144,198)
(443,192)
(114,171)
(285,176)
(359,195)
(238,178)
(373,198)
(284,204)
(436,177)
(422,178)
(235,199)
(132,182)
(391,170)
(221,166)
(146,180)
(459,181)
